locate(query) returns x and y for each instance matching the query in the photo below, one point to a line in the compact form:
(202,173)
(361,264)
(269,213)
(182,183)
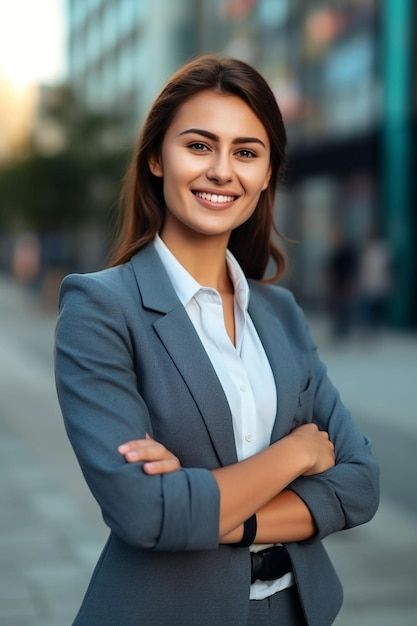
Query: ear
(155,165)
(267,179)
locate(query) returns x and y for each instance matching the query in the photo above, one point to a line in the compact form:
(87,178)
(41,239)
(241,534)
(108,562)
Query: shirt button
(249,437)
(243,387)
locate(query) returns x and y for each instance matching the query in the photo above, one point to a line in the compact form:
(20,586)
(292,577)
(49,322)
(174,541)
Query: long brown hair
(142,197)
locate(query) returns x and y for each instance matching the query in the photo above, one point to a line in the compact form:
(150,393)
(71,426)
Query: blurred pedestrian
(375,282)
(26,259)
(193,395)
(341,272)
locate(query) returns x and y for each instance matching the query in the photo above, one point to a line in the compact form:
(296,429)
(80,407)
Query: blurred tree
(44,192)
(67,182)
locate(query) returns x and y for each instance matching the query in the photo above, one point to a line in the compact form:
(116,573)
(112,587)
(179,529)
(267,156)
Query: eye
(246,154)
(198,147)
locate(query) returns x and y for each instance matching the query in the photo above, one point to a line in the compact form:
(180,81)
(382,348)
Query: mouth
(215,200)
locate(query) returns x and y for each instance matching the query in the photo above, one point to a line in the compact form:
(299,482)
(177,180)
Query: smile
(214,198)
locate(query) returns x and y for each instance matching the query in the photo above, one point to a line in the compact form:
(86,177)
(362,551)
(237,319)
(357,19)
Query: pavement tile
(13,589)
(32,546)
(374,616)
(57,588)
(18,615)
(54,504)
(87,552)
(17,600)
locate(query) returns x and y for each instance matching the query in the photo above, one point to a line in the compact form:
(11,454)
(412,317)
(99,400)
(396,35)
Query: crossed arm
(282,515)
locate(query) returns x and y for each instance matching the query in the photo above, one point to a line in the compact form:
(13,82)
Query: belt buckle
(256,566)
(270,564)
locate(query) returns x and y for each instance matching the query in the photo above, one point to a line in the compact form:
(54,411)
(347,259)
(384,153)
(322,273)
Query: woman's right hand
(316,446)
(156,458)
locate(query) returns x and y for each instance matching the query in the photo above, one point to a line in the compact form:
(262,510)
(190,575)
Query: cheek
(253,178)
(180,165)
(262,179)
(179,177)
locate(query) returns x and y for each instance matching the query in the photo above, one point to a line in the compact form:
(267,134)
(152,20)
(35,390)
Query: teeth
(213,197)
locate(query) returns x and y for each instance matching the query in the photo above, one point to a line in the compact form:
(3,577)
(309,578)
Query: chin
(210,230)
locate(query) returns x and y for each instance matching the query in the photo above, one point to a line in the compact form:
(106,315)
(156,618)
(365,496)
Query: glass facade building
(320,58)
(121,51)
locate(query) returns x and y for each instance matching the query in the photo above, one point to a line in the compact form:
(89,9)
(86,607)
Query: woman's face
(215,162)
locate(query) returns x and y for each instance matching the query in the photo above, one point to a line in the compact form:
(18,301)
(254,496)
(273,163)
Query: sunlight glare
(31,41)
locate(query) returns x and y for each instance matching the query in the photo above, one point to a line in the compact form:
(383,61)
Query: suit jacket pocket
(304,411)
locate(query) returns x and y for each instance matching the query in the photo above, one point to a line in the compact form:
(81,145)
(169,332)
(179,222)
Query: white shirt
(243,370)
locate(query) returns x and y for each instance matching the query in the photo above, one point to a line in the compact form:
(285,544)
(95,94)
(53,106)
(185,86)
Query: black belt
(270,563)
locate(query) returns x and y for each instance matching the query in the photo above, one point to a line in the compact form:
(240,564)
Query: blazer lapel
(183,344)
(281,359)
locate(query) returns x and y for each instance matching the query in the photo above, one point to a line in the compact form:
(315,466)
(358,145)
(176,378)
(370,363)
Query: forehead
(220,113)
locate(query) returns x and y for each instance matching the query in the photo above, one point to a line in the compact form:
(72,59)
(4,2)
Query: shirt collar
(238,278)
(187,287)
(184,284)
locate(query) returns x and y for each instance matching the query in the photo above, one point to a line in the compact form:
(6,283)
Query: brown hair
(142,193)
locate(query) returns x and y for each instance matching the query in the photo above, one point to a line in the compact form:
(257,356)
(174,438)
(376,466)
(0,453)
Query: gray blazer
(128,361)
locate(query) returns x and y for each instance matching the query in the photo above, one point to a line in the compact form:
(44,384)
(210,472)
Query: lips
(215,199)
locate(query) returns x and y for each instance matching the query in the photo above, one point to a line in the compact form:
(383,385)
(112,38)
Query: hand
(317,446)
(155,457)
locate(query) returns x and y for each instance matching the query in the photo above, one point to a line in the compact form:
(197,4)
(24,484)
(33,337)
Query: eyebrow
(213,137)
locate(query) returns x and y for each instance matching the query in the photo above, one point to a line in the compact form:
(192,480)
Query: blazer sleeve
(346,495)
(102,408)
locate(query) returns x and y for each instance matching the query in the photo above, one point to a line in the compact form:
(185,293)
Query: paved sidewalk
(50,529)
(51,532)
(377,563)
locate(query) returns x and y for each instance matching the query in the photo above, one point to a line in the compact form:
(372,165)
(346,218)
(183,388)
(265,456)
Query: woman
(193,396)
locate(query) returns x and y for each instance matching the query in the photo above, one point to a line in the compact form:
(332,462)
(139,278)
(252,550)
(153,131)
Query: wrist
(299,457)
(234,536)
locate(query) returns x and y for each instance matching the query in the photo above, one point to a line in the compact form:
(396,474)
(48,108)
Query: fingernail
(123,448)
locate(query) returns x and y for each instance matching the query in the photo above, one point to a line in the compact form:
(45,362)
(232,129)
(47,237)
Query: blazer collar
(279,351)
(156,289)
(183,344)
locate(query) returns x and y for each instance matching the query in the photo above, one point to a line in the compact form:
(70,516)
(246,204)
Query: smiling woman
(211,188)
(202,417)
(250,128)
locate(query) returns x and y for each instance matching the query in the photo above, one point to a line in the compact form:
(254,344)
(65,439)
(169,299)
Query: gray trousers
(281,609)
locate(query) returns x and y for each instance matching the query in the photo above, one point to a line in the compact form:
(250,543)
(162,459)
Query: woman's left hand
(155,457)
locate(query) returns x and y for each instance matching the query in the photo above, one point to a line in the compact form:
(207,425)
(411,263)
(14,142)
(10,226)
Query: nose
(220,169)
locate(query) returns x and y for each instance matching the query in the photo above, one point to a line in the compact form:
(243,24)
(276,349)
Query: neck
(204,257)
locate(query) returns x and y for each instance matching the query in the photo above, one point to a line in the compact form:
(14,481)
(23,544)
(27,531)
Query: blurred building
(343,74)
(121,51)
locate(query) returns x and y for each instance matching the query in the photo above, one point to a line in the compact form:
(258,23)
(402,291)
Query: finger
(148,453)
(138,444)
(162,467)
(128,445)
(142,455)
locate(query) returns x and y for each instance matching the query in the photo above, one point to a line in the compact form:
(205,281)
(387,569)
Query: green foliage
(78,183)
(44,192)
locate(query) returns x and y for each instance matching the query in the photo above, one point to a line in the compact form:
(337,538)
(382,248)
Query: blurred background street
(71,101)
